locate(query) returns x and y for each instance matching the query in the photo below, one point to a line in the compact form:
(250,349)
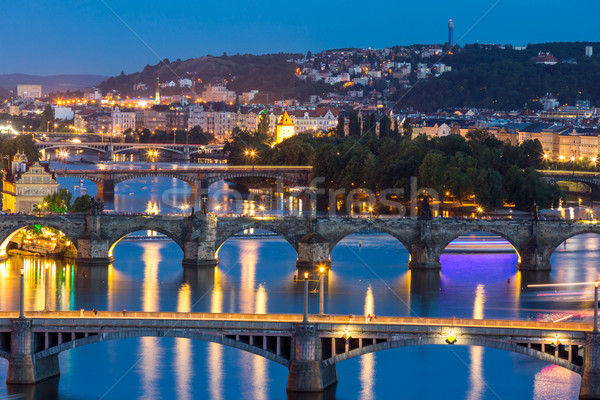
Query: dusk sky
(84,36)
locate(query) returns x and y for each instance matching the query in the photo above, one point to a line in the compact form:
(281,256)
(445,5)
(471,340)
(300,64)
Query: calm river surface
(256,276)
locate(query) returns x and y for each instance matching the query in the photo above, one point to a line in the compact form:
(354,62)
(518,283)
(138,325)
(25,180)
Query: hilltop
(476,75)
(271,74)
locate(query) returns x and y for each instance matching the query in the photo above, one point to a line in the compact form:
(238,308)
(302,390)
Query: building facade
(26,185)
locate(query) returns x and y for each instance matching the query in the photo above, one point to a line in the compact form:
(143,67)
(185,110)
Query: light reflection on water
(255,276)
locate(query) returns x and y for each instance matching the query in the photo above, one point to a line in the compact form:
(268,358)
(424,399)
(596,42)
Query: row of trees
(478,167)
(9,146)
(60,202)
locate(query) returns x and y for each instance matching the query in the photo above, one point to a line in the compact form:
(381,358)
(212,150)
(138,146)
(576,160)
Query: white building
(122,120)
(64,113)
(29,92)
(184,82)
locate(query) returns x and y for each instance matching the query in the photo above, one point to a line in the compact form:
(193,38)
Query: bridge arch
(148,146)
(172,333)
(554,245)
(73,146)
(7,237)
(343,234)
(137,228)
(457,234)
(214,178)
(461,341)
(229,233)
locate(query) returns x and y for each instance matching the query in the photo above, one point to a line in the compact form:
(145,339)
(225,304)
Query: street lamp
(252,155)
(322,291)
(262,210)
(305,319)
(595,283)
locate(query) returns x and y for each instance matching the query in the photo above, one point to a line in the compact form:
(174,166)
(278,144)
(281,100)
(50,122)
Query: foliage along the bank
(458,168)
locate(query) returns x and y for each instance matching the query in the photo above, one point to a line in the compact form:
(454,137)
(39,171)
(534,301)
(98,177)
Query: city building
(122,119)
(29,92)
(218,93)
(93,93)
(26,184)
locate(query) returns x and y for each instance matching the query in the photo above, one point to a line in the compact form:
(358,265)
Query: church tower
(157,93)
(285,128)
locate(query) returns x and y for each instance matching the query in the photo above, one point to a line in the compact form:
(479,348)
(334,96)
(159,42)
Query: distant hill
(271,74)
(483,76)
(507,79)
(50,83)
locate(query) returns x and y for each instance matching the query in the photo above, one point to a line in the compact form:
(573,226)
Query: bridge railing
(336,319)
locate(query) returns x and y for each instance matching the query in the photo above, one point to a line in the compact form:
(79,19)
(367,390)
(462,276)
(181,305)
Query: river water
(369,275)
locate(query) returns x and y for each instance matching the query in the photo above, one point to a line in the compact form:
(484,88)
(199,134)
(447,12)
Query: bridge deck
(159,318)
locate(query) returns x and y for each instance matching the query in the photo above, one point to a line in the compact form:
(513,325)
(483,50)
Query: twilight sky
(84,36)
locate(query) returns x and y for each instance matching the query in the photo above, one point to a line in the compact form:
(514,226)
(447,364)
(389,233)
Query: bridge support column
(590,381)
(23,367)
(201,252)
(106,191)
(92,249)
(307,371)
(534,255)
(422,250)
(313,253)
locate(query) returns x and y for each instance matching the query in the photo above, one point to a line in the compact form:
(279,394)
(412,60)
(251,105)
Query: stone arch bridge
(310,350)
(108,150)
(199,178)
(200,237)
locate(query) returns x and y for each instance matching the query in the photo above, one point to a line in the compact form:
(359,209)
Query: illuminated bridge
(200,237)
(107,150)
(199,178)
(310,350)
(590,179)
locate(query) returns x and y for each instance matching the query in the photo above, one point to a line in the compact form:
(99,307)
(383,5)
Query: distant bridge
(199,178)
(109,149)
(591,179)
(309,350)
(200,237)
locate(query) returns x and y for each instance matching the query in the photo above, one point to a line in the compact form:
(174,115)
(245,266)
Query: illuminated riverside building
(26,184)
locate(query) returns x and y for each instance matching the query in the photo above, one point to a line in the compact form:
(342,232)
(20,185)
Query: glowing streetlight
(305,319)
(322,290)
(262,210)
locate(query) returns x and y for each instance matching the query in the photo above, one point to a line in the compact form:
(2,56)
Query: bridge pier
(200,251)
(313,253)
(92,249)
(423,250)
(23,367)
(307,371)
(590,380)
(106,191)
(534,255)
(423,255)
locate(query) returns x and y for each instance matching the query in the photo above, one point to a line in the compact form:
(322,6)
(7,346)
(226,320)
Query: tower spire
(157,93)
